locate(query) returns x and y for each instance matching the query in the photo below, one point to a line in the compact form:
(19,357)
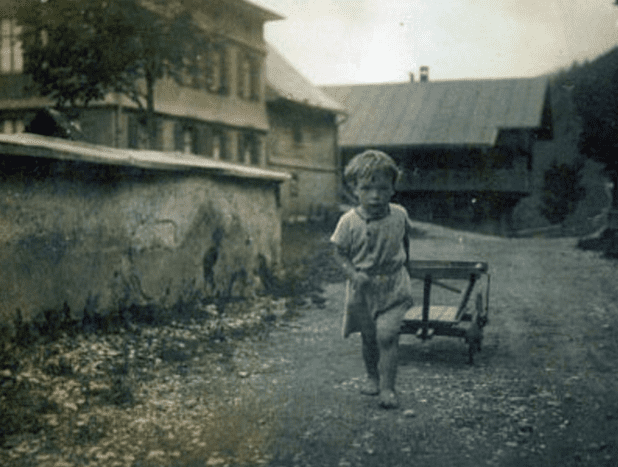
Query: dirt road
(249,387)
(541,393)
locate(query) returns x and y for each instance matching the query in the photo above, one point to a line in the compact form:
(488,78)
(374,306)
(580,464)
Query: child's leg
(387,368)
(371,356)
(388,326)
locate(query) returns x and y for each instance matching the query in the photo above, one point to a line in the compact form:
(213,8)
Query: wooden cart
(464,320)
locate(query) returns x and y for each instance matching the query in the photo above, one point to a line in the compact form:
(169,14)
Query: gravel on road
(214,391)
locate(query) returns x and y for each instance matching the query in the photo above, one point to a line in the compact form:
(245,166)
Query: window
(297,130)
(254,72)
(188,73)
(12,126)
(188,141)
(206,69)
(218,145)
(186,138)
(294,185)
(242,75)
(200,77)
(241,148)
(254,150)
(248,77)
(11,54)
(248,149)
(138,132)
(215,70)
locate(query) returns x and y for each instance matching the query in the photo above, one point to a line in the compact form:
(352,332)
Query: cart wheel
(474,335)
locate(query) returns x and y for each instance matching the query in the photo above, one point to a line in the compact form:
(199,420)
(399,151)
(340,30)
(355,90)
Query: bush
(562,190)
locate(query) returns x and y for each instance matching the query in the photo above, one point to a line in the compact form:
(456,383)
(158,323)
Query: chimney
(424,74)
(411,77)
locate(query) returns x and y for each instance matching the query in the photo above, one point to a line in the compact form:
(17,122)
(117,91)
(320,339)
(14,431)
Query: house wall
(304,143)
(227,105)
(93,236)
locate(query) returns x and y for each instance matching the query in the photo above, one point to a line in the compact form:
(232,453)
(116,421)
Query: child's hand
(360,278)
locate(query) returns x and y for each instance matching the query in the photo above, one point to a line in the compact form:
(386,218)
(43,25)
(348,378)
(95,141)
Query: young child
(369,242)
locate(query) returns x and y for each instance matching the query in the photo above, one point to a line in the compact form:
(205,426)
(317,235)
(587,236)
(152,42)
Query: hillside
(584,109)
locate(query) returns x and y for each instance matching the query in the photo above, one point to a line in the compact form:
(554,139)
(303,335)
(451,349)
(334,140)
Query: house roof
(265,14)
(285,82)
(28,144)
(438,113)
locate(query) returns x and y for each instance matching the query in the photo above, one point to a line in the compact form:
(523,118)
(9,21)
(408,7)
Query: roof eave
(31,145)
(258,10)
(276,95)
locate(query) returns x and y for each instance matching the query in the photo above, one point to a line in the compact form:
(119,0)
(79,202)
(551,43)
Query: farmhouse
(217,111)
(466,147)
(250,106)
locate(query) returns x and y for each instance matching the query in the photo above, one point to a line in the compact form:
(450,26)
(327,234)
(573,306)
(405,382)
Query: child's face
(374,193)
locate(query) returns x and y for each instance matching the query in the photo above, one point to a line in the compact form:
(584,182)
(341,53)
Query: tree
(595,94)
(562,190)
(78,51)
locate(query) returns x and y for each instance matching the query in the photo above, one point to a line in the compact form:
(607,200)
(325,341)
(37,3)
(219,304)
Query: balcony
(514,181)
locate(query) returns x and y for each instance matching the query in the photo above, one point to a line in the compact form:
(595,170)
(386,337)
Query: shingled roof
(285,82)
(440,112)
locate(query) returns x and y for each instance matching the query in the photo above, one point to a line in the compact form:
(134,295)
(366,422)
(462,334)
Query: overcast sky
(367,41)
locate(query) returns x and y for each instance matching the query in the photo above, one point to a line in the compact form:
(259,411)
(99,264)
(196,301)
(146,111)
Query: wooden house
(218,112)
(302,139)
(252,108)
(466,147)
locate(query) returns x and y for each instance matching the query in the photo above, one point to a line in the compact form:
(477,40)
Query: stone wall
(94,237)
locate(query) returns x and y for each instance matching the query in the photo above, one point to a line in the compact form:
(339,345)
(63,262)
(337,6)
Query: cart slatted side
(428,320)
(446,269)
(436,313)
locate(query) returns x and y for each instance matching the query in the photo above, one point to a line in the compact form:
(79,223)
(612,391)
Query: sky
(374,41)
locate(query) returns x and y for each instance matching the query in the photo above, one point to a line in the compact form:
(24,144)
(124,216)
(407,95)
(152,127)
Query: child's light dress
(375,247)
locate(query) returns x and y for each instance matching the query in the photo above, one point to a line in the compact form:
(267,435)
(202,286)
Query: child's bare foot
(388,400)
(370,387)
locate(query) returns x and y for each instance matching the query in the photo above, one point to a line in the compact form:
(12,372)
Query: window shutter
(223,71)
(196,135)
(133,133)
(255,79)
(178,137)
(223,146)
(240,156)
(240,78)
(202,141)
(158,137)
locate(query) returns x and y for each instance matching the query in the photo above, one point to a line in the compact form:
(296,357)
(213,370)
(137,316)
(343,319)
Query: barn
(466,147)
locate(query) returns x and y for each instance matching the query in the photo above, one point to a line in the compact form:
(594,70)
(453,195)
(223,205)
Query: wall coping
(28,144)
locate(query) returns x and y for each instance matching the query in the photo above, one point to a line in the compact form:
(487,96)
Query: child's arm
(409,232)
(410,229)
(358,278)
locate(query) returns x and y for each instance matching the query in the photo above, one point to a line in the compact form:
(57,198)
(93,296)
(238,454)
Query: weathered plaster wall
(95,236)
(304,143)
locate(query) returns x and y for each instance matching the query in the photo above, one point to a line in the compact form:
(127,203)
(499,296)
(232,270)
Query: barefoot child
(369,241)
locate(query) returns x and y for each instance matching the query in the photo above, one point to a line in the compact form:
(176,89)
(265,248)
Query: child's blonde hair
(367,163)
